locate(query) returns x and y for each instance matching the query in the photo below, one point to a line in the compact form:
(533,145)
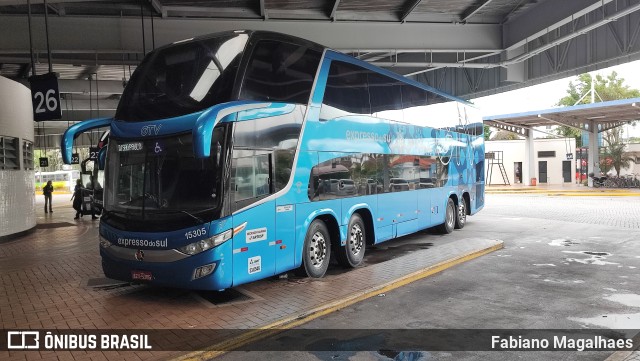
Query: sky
(545,96)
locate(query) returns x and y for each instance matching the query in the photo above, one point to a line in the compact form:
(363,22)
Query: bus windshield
(183,78)
(161,178)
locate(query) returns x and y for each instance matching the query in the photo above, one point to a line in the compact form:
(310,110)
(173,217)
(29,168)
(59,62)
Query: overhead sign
(93,153)
(44,162)
(45,97)
(75,158)
(569,156)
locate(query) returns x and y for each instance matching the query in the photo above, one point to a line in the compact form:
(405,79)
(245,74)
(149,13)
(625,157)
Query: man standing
(47,191)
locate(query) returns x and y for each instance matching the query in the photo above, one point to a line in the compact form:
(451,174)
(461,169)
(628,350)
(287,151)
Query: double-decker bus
(241,155)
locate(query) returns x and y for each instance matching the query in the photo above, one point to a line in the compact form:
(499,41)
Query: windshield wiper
(200,220)
(116,212)
(145,196)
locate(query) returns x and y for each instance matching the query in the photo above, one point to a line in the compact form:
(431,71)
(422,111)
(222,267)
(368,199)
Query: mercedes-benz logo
(139,255)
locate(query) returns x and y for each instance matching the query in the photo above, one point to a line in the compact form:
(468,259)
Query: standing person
(77,199)
(47,191)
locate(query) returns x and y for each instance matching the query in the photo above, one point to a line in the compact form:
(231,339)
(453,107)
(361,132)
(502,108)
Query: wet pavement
(51,279)
(568,263)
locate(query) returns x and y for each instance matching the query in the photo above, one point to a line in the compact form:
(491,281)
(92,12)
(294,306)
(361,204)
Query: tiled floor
(43,283)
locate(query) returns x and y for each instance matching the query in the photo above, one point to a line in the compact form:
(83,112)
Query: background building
(552,165)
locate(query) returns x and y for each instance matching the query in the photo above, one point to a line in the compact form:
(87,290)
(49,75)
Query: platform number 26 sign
(45,97)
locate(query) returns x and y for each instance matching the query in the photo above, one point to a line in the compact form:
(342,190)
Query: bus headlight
(104,243)
(205,244)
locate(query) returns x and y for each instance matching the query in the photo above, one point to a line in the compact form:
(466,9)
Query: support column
(593,165)
(528,168)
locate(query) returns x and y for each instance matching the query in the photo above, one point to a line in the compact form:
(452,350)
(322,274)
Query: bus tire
(352,253)
(449,218)
(461,214)
(316,252)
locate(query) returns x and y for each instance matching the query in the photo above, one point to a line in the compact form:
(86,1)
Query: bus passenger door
(254,222)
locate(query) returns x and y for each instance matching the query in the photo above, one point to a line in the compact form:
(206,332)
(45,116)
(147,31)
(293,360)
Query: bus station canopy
(595,117)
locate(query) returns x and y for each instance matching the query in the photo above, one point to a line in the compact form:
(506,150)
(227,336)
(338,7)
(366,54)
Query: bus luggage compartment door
(285,240)
(254,243)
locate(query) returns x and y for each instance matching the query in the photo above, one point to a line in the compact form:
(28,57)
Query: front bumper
(170,268)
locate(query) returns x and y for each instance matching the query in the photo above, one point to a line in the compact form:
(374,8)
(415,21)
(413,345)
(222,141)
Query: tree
(487,132)
(614,154)
(606,88)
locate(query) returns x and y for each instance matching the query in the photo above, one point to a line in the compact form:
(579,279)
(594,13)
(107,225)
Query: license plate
(141,275)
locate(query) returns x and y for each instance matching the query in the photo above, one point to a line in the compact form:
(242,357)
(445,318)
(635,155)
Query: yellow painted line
(300,319)
(575,194)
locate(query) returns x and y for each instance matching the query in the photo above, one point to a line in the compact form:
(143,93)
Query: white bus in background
(64,180)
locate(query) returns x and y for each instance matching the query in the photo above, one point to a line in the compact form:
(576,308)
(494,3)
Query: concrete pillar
(594,153)
(17,182)
(528,168)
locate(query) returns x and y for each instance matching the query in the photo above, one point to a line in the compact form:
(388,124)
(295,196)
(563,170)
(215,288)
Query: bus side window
(346,92)
(251,176)
(280,71)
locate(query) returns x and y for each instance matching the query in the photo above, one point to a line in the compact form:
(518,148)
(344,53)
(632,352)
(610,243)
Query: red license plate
(141,275)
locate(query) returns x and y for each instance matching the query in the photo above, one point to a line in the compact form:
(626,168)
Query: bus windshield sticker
(255,264)
(128,147)
(255,235)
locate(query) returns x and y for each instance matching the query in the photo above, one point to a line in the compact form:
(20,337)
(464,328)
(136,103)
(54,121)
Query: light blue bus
(242,155)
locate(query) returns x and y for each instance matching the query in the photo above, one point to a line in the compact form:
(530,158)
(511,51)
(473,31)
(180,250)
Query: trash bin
(534,181)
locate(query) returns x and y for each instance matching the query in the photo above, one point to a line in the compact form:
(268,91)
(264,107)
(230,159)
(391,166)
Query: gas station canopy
(592,118)
(596,117)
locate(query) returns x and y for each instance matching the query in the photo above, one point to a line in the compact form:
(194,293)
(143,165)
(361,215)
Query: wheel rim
(450,215)
(317,250)
(356,239)
(462,212)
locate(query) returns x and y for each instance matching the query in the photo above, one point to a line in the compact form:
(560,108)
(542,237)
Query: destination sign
(130,147)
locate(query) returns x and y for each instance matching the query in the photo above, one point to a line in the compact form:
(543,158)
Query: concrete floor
(568,262)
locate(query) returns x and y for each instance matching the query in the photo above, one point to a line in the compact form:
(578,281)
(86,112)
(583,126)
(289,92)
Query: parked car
(398,185)
(342,187)
(427,183)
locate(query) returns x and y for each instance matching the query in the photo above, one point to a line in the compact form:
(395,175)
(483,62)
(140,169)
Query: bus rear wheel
(449,218)
(317,250)
(461,214)
(352,253)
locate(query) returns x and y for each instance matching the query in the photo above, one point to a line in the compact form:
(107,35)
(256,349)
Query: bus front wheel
(317,250)
(352,253)
(449,218)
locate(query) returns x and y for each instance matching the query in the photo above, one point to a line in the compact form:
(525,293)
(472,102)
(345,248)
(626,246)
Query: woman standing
(77,199)
(47,191)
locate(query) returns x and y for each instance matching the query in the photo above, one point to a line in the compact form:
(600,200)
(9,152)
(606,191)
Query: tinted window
(413,96)
(386,97)
(182,79)
(263,155)
(428,172)
(335,178)
(346,91)
(280,132)
(251,177)
(280,71)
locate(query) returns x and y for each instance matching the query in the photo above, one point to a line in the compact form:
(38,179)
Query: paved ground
(567,263)
(544,278)
(45,279)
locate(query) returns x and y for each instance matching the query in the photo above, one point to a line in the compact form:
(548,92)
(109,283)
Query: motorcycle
(597,181)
